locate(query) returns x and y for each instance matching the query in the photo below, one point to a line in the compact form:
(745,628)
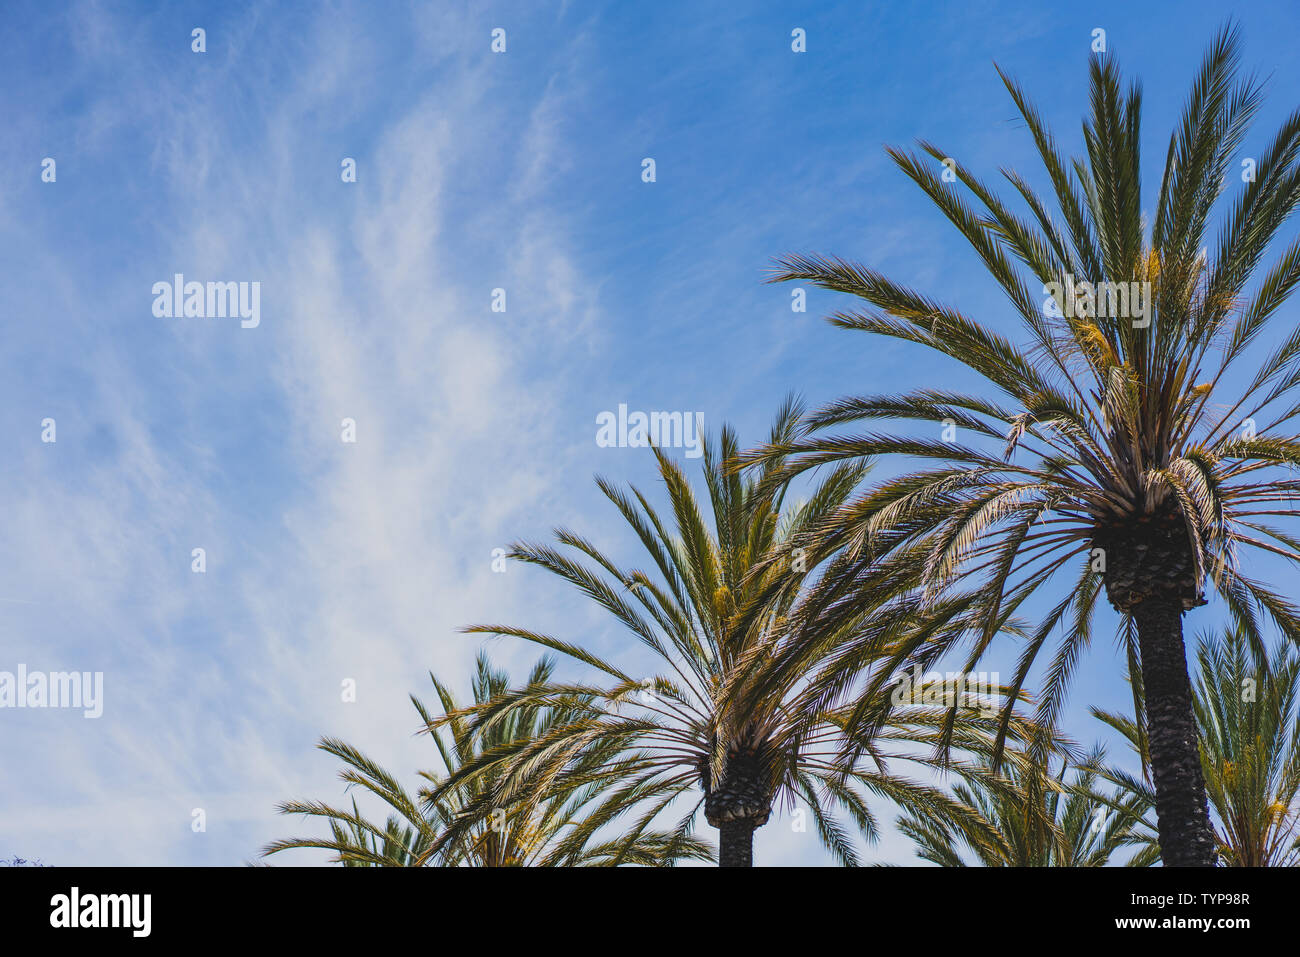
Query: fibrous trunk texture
(736,843)
(739,805)
(1186,838)
(1148,558)
(1150,572)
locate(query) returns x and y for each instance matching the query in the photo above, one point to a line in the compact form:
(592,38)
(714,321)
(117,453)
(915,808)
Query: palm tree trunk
(1183,819)
(736,843)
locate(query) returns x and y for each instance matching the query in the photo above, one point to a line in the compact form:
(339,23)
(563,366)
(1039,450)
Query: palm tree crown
(713,617)
(1250,751)
(1118,443)
(555,831)
(1031,820)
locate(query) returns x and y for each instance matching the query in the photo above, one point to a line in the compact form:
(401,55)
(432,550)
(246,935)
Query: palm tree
(1133,449)
(553,832)
(1031,820)
(1250,751)
(681,718)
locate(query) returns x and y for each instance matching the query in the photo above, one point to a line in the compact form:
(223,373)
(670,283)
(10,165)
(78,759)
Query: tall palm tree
(1032,821)
(554,832)
(681,716)
(1250,751)
(1134,448)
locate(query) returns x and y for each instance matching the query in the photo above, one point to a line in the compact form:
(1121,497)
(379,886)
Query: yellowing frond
(1095,344)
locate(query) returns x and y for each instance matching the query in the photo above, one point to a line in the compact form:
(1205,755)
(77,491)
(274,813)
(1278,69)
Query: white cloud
(361,560)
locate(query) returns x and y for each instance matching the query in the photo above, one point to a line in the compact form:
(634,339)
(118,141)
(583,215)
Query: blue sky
(476,171)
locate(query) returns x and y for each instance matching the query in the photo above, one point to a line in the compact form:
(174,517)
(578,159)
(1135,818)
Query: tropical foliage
(1034,820)
(1250,752)
(1135,450)
(712,614)
(1132,440)
(555,830)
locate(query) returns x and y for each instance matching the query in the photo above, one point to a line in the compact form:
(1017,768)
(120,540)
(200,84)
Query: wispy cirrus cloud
(326,561)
